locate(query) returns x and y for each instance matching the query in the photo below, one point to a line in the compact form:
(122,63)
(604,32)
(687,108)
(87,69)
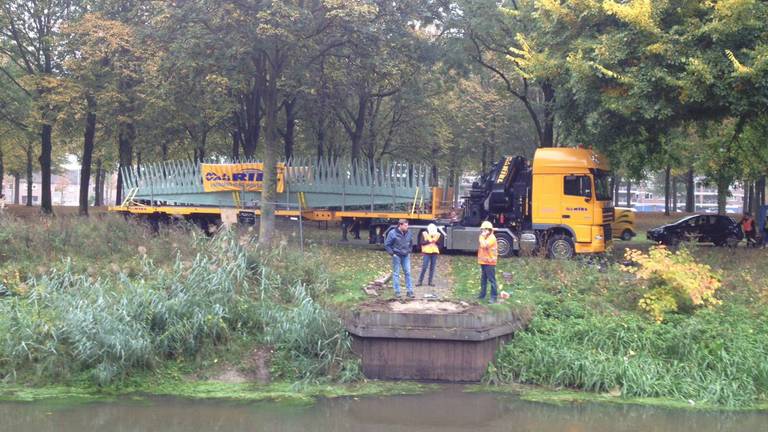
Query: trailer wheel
(626,235)
(560,246)
(504,244)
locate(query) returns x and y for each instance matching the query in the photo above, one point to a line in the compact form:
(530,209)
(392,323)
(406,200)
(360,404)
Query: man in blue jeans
(398,244)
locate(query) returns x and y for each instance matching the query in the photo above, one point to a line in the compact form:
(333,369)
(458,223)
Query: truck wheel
(504,244)
(560,246)
(626,235)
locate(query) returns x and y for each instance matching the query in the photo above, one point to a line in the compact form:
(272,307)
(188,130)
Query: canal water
(446,410)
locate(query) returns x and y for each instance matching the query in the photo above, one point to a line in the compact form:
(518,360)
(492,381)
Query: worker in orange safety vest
(487,255)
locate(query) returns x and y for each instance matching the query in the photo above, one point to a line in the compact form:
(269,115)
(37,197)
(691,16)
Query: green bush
(715,357)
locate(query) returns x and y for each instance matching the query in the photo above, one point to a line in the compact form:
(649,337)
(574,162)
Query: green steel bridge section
(326,183)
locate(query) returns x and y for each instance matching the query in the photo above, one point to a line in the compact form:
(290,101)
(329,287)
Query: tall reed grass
(172,306)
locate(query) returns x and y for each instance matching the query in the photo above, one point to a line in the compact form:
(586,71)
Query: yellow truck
(560,202)
(623,226)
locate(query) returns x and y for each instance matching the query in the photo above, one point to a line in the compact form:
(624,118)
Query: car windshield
(603,190)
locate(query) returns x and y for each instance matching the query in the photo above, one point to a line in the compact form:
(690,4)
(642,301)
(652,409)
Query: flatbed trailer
(559,202)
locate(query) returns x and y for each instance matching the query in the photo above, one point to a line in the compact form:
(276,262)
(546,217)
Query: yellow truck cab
(623,226)
(559,203)
(571,198)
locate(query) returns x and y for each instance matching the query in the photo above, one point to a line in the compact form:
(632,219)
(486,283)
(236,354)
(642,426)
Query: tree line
(677,86)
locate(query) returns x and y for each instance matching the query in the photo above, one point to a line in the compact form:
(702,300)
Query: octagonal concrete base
(436,343)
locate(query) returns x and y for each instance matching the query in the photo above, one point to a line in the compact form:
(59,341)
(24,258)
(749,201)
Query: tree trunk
(200,152)
(745,196)
(125,155)
(102,186)
(752,203)
(271,149)
(690,192)
(320,140)
(722,195)
(761,191)
(16,191)
(667,171)
(2,172)
(97,189)
(356,134)
(235,146)
(290,127)
(29,177)
(434,182)
(483,158)
(85,170)
(674,194)
(46,148)
(629,192)
(616,186)
(548,129)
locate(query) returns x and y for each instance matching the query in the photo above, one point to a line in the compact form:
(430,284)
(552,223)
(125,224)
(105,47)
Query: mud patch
(421,307)
(253,368)
(430,307)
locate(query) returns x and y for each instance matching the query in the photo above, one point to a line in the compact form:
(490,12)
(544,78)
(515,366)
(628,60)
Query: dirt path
(443,279)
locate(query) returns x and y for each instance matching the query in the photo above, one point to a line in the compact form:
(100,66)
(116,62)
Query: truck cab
(571,202)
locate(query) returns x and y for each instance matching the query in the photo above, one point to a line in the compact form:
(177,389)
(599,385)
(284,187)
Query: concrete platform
(436,341)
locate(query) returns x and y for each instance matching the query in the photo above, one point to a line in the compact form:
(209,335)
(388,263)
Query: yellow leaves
(738,68)
(673,280)
(530,63)
(637,13)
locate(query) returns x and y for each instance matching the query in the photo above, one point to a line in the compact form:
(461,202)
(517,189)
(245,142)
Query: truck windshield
(603,190)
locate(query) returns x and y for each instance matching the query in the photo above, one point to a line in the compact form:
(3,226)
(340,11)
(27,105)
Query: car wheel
(626,235)
(504,244)
(560,247)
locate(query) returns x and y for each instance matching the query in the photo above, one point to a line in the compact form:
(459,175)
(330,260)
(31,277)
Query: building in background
(65,189)
(644,197)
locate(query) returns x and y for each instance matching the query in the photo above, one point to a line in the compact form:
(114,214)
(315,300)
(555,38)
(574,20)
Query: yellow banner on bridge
(247,177)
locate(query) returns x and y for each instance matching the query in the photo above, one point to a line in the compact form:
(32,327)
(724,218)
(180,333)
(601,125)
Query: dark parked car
(718,229)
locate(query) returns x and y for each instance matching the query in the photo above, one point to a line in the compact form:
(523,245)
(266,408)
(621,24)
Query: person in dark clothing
(345,223)
(355,228)
(398,244)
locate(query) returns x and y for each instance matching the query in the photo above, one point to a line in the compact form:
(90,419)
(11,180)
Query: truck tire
(626,235)
(504,244)
(560,246)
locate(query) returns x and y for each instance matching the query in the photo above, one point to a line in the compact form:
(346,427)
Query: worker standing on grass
(748,225)
(487,255)
(430,250)
(398,244)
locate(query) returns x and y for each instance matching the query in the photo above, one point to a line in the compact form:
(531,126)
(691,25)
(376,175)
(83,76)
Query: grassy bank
(104,306)
(588,332)
(102,301)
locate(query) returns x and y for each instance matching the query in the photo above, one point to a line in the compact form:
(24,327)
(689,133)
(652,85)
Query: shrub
(674,281)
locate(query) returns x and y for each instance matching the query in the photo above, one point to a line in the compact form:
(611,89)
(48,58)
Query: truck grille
(607,215)
(607,232)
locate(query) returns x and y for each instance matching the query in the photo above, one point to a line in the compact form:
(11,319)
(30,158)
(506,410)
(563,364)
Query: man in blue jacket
(399,244)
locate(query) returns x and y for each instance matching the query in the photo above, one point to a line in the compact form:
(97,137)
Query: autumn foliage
(674,281)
